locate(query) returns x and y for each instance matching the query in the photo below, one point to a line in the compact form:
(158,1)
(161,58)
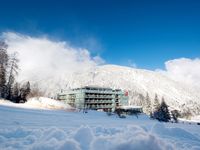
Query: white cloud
(184,70)
(41,58)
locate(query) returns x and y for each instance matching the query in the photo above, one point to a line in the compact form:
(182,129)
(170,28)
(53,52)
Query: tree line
(10,89)
(158,110)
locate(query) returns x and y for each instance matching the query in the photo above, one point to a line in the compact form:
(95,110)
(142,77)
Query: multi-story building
(96,98)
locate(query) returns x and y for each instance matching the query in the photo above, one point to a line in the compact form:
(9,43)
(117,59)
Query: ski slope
(39,129)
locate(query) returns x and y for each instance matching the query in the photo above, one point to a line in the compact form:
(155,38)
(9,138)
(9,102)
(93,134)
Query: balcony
(97,91)
(99,106)
(98,101)
(99,96)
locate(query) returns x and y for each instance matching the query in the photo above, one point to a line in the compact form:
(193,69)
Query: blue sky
(146,33)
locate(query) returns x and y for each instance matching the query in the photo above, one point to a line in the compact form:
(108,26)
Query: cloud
(184,70)
(41,58)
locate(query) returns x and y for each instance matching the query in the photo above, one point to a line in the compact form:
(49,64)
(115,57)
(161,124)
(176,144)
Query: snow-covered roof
(131,107)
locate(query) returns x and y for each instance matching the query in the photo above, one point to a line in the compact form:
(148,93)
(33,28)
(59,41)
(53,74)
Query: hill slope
(136,81)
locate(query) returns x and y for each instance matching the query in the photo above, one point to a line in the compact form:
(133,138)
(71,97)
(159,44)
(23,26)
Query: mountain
(136,81)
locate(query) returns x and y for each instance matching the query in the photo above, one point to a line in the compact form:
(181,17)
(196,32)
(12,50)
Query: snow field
(60,130)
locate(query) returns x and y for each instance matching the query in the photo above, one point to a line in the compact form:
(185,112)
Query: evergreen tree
(156,104)
(25,91)
(141,100)
(162,114)
(147,107)
(2,81)
(15,93)
(3,67)
(151,115)
(28,89)
(175,115)
(13,66)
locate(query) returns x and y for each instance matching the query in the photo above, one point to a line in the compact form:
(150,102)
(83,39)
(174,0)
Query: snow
(40,129)
(196,118)
(39,103)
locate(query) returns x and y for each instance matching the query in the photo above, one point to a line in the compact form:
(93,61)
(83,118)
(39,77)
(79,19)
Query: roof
(93,87)
(131,107)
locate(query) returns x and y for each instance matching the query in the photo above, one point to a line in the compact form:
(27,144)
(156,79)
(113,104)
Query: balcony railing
(99,106)
(98,96)
(97,91)
(98,101)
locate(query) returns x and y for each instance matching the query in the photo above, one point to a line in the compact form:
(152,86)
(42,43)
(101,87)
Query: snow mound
(39,103)
(23,129)
(173,132)
(179,137)
(83,138)
(43,102)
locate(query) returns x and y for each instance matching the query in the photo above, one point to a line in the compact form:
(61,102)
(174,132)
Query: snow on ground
(39,103)
(33,129)
(196,118)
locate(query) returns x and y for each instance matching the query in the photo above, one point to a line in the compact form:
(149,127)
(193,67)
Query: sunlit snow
(39,129)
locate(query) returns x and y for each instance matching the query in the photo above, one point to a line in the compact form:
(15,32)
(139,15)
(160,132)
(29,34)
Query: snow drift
(39,103)
(83,138)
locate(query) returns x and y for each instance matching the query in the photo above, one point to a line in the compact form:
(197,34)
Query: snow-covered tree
(13,71)
(3,67)
(141,99)
(175,115)
(24,92)
(162,114)
(36,91)
(2,81)
(8,72)
(147,106)
(156,104)
(15,93)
